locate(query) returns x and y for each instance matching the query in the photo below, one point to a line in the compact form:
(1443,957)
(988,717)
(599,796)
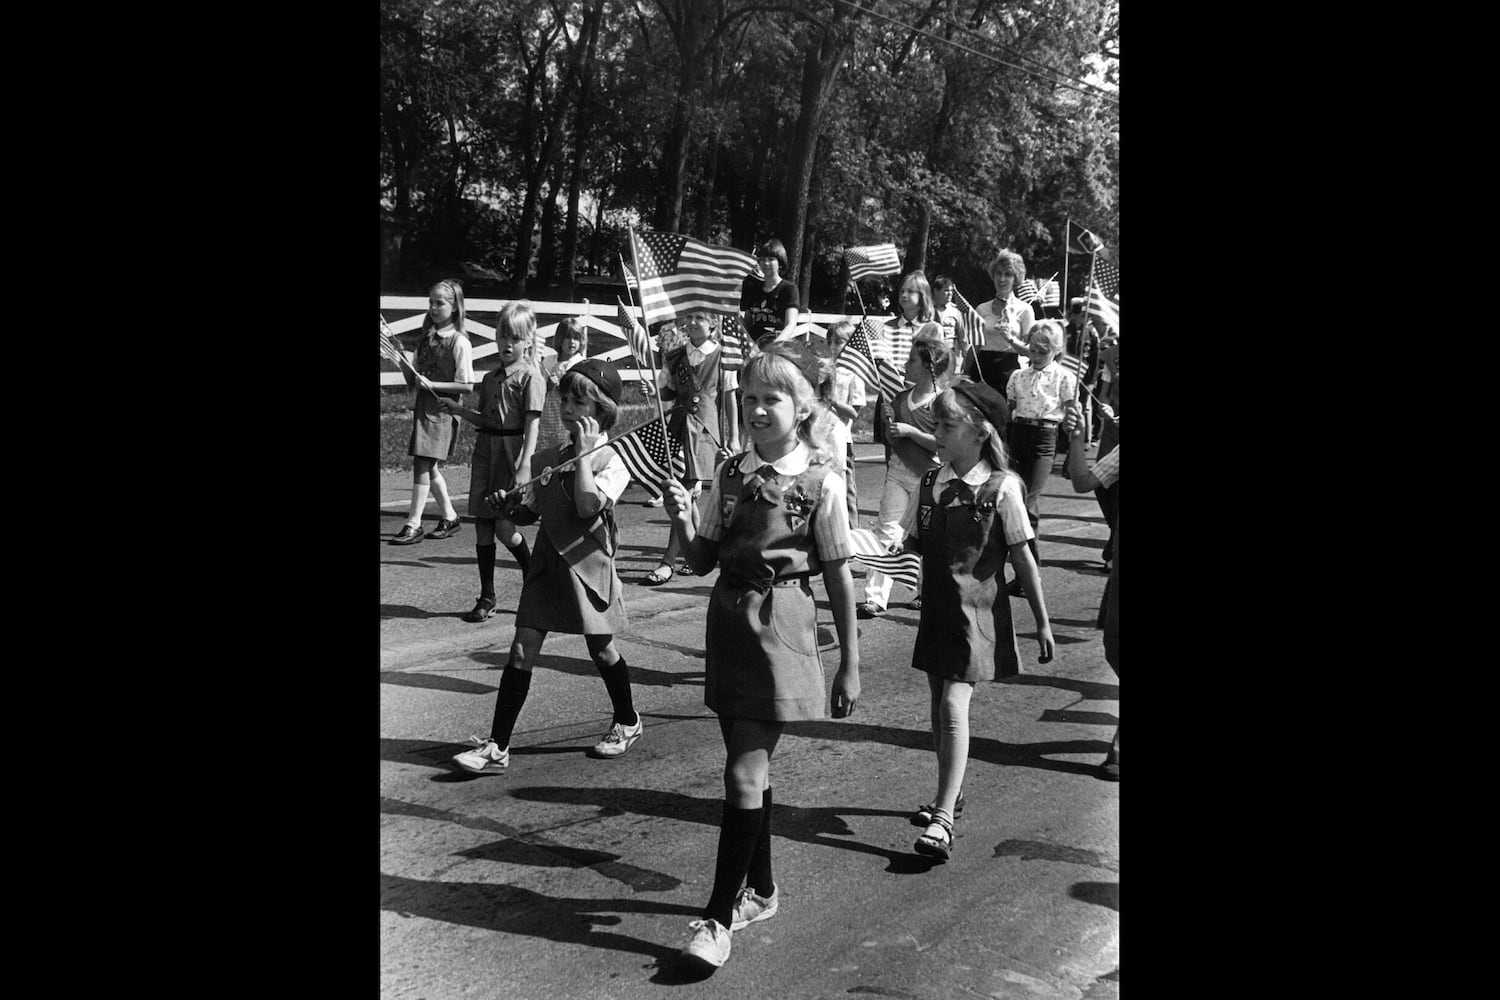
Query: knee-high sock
(759,875)
(514,684)
(738,836)
(521,553)
(617,683)
(486,555)
(418,504)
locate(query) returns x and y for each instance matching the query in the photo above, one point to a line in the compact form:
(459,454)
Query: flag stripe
(903,567)
(635,335)
(679,274)
(868,261)
(644,452)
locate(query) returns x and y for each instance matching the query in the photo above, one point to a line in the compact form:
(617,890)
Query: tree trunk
(546,265)
(820,71)
(916,246)
(575,181)
(694,28)
(527,224)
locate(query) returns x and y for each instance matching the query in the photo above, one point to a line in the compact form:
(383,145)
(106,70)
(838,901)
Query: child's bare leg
(953,742)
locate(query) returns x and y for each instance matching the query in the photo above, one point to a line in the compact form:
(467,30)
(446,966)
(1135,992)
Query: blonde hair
(1053,330)
(925,308)
(776,370)
(950,405)
(518,322)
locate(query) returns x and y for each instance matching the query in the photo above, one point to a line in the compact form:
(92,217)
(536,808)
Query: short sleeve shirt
(1107,469)
(1010,503)
(765,312)
(1041,393)
(830,518)
(1013,310)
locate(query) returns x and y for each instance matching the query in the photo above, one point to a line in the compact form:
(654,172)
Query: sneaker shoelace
(479,744)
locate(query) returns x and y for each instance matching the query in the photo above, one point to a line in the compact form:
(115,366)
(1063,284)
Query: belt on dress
(503,432)
(1030,422)
(794,580)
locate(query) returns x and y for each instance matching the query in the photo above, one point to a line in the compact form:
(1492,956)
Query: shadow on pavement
(982,748)
(580,666)
(1089,690)
(510,909)
(817,826)
(1100,893)
(435,682)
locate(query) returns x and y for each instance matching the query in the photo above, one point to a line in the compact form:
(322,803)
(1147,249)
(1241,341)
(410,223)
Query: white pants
(898,493)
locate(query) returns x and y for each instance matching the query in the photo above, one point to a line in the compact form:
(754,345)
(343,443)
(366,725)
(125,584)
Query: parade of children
(506,422)
(570,585)
(760,540)
(443,373)
(775,516)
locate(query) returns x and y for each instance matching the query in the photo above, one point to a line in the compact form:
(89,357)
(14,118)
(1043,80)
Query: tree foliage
(951,128)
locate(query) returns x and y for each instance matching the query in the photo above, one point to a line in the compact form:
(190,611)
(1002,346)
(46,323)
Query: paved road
(573,877)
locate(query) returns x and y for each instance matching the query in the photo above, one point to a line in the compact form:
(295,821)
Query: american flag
(1050,293)
(970,327)
(389,350)
(857,357)
(1104,294)
(635,336)
(644,452)
(1026,291)
(679,274)
(866,262)
(731,343)
(630,281)
(903,567)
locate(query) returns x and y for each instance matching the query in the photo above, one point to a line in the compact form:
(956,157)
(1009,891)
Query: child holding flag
(443,373)
(775,516)
(572,586)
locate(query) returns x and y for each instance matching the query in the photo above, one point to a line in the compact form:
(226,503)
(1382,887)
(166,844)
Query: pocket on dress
(793,619)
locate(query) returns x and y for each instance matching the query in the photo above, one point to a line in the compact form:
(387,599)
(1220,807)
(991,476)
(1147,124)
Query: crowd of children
(964,460)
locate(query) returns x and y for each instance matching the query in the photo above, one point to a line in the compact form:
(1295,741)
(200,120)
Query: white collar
(793,463)
(704,351)
(977,476)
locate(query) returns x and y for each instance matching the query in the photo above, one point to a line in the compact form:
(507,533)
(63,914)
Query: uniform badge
(726,507)
(924,516)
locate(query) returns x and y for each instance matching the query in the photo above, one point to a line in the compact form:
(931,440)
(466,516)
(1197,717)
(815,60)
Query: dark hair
(941,282)
(581,389)
(774,248)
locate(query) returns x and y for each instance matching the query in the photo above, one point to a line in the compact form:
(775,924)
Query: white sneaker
(485,758)
(748,907)
(619,738)
(709,944)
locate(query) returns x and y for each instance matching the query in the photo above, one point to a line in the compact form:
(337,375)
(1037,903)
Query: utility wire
(1096,92)
(916,5)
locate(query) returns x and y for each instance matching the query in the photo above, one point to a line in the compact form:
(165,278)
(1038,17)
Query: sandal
(923,816)
(683,569)
(483,608)
(658,576)
(936,845)
(915,604)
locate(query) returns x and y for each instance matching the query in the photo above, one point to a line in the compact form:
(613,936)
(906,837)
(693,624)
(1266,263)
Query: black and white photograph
(749,542)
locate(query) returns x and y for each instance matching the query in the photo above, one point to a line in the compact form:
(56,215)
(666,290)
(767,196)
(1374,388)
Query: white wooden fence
(404,314)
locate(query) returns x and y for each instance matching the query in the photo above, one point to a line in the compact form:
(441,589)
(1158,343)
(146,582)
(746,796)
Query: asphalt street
(575,877)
